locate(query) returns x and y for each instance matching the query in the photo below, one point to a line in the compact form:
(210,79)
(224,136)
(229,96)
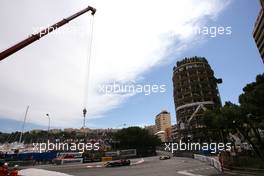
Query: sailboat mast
(23,126)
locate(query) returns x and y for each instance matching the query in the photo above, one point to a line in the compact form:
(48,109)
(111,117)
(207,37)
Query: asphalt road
(151,167)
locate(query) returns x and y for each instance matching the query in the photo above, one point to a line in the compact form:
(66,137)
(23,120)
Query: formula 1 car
(165,157)
(122,162)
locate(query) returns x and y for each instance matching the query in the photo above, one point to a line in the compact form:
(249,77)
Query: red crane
(42,33)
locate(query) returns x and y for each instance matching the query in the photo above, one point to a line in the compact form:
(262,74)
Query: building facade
(174,132)
(162,123)
(195,90)
(258,32)
(168,134)
(151,129)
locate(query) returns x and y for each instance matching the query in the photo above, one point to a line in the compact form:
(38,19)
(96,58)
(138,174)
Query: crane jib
(42,33)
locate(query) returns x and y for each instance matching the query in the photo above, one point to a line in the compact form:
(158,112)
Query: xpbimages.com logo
(74,147)
(118,88)
(192,146)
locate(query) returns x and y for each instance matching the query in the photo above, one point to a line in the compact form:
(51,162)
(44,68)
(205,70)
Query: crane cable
(87,75)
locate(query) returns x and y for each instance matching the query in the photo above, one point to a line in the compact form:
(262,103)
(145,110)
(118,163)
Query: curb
(138,162)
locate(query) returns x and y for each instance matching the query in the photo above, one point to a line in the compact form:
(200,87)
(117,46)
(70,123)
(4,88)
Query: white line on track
(188,173)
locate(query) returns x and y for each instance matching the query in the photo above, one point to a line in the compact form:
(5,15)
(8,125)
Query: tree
(137,138)
(246,118)
(252,100)
(252,105)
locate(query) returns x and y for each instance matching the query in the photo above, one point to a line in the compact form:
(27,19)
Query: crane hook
(84,112)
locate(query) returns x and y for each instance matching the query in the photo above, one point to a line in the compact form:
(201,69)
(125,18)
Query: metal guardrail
(209,160)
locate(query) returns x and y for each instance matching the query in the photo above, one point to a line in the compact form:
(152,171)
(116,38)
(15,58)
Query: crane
(34,37)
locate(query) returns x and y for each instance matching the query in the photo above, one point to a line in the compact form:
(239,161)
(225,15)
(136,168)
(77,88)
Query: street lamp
(121,125)
(49,122)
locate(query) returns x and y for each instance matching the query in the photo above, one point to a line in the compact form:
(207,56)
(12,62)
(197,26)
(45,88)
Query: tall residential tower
(258,32)
(194,90)
(163,125)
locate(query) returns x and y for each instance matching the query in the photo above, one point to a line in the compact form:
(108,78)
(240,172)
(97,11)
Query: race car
(164,157)
(123,162)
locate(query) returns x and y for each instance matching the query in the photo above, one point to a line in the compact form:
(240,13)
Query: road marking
(188,173)
(138,162)
(95,166)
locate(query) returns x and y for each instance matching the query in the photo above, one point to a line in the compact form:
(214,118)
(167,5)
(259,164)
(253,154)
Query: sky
(134,42)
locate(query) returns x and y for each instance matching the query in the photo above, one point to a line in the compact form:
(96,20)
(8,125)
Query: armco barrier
(212,161)
(68,161)
(159,152)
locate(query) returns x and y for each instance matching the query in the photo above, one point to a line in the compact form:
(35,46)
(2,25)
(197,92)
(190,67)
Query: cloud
(130,38)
